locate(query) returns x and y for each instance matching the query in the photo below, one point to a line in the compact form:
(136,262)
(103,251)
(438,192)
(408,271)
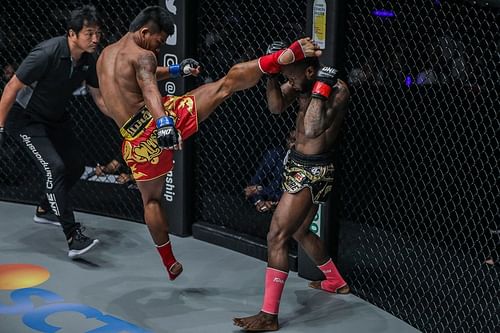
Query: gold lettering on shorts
(136,124)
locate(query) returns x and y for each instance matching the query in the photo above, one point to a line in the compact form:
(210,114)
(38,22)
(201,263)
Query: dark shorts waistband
(311,160)
(136,124)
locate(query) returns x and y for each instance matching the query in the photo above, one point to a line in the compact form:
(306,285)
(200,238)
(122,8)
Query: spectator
(115,167)
(264,190)
(8,72)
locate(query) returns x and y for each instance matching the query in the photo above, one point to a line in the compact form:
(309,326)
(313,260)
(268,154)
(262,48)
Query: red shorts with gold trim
(140,148)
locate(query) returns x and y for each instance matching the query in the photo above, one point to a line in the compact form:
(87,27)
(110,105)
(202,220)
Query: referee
(33,111)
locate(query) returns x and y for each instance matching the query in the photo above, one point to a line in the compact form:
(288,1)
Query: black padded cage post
(326,223)
(178,193)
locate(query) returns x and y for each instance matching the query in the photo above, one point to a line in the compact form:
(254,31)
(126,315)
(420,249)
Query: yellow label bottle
(319,23)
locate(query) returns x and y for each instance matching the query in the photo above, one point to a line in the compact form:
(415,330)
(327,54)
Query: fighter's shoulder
(109,49)
(143,57)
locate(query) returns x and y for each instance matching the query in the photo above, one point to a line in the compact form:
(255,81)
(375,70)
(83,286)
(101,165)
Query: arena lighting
(383,13)
(408,81)
(486,3)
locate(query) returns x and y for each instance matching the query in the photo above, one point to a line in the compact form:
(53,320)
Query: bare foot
(330,288)
(174,271)
(261,322)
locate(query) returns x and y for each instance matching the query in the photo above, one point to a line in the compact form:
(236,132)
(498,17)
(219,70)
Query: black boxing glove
(325,81)
(276,46)
(183,69)
(166,133)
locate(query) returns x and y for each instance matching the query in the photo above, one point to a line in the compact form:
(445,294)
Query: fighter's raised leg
(247,74)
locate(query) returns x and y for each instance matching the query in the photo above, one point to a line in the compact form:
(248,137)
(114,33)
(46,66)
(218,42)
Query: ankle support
(167,256)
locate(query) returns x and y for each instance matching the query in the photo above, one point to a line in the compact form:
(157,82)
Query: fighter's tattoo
(315,117)
(146,68)
(320,114)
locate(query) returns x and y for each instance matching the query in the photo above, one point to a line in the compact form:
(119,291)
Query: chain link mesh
(232,142)
(418,158)
(25,24)
(419,166)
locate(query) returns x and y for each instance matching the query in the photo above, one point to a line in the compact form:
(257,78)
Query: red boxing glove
(326,79)
(321,90)
(271,63)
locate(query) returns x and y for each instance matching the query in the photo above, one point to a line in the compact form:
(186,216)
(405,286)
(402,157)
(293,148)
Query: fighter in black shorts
(308,178)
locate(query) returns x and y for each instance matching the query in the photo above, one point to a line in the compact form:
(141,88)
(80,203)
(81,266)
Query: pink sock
(271,63)
(275,282)
(167,256)
(334,280)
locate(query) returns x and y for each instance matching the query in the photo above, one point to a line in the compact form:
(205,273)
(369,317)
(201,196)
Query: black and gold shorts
(312,171)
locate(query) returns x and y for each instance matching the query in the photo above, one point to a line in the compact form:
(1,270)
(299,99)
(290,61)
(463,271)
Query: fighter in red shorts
(152,126)
(140,145)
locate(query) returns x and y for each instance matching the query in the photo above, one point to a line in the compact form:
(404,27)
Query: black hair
(85,15)
(309,61)
(161,19)
(301,65)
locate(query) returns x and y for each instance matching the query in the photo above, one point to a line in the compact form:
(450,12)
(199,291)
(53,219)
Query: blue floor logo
(21,278)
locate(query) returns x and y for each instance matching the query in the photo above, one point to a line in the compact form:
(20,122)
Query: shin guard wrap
(275,282)
(271,63)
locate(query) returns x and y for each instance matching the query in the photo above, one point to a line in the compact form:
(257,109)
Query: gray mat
(123,282)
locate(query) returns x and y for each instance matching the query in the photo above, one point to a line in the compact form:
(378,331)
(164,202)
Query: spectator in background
(368,73)
(8,72)
(264,190)
(492,259)
(33,109)
(115,167)
(493,247)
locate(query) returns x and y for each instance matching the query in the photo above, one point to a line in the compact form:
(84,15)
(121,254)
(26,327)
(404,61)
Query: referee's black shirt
(51,77)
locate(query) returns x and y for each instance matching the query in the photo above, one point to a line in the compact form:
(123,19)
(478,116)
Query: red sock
(275,282)
(333,280)
(271,63)
(167,256)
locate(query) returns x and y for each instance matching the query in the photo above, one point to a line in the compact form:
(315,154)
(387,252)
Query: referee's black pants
(56,152)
